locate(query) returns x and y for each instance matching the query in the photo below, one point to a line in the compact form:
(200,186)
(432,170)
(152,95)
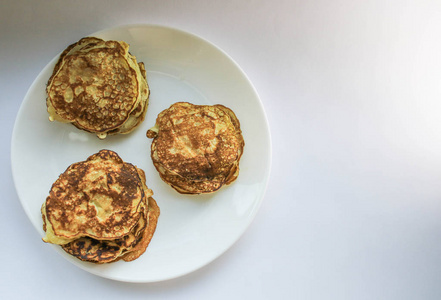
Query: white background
(352,91)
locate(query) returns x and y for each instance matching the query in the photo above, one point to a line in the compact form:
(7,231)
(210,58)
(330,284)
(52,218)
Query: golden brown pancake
(147,235)
(128,248)
(99,210)
(104,251)
(196,148)
(101,198)
(99,87)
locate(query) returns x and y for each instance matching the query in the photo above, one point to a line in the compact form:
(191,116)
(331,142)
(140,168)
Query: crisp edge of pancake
(141,245)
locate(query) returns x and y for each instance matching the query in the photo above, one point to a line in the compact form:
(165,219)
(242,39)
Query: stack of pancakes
(99,87)
(100,210)
(196,148)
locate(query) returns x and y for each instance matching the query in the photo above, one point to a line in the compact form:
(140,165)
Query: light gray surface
(352,93)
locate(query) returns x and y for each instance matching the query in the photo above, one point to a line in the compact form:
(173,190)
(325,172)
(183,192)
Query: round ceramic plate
(192,230)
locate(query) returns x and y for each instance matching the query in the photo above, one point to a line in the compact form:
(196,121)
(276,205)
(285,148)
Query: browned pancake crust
(138,113)
(103,182)
(128,248)
(105,251)
(103,87)
(197,148)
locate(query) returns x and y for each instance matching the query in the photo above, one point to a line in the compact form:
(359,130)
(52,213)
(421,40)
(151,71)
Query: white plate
(192,230)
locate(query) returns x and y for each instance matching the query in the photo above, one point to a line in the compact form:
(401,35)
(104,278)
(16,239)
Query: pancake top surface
(95,84)
(102,197)
(198,142)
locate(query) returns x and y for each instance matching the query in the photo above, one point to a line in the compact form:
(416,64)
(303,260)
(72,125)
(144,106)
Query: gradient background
(352,91)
